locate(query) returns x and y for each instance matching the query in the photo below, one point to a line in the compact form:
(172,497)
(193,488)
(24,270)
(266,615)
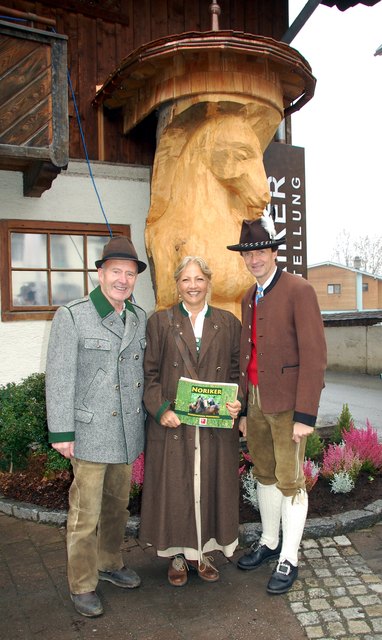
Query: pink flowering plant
(364,442)
(137,475)
(311,472)
(245,463)
(340,458)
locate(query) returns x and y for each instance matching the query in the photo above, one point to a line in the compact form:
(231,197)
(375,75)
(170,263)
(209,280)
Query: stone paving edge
(249,532)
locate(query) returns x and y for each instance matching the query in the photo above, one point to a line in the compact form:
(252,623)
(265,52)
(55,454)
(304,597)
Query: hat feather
(268,224)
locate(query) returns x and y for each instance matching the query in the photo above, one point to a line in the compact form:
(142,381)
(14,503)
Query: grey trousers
(98,501)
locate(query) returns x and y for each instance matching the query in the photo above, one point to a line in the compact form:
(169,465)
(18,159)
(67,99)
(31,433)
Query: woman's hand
(170,419)
(233,408)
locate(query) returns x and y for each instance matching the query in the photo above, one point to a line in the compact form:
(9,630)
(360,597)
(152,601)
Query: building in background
(341,288)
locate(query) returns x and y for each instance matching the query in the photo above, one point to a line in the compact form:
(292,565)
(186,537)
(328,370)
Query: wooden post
(100,129)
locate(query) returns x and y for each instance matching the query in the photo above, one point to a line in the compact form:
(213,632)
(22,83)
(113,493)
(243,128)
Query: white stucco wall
(125,195)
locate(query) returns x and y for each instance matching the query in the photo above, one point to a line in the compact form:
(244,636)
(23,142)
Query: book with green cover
(203,403)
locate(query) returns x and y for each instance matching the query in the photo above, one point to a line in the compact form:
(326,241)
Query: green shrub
(314,446)
(23,425)
(344,423)
(55,462)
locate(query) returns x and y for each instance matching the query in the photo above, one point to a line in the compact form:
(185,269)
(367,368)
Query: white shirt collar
(268,282)
(198,327)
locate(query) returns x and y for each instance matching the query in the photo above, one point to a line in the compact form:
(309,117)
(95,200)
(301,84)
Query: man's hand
(300,430)
(170,419)
(65,448)
(243,426)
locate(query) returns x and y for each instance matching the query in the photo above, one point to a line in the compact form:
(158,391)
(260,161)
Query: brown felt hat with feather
(257,234)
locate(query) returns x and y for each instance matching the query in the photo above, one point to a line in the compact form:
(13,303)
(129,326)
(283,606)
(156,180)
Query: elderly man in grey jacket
(94,386)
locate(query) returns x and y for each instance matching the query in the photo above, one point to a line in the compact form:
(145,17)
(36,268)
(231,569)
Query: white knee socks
(270,500)
(293,518)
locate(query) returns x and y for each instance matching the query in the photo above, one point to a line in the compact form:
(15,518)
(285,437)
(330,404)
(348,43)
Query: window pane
(67,252)
(92,281)
(95,248)
(66,287)
(28,250)
(30,288)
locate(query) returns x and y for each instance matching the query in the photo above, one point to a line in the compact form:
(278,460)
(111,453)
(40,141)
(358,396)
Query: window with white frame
(334,289)
(46,264)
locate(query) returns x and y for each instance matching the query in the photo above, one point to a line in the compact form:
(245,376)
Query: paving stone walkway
(338,595)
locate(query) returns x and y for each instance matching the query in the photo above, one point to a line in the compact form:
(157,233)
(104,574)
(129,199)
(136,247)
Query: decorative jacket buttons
(114,413)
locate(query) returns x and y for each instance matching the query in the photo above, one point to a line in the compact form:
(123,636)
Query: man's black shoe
(257,556)
(87,604)
(282,578)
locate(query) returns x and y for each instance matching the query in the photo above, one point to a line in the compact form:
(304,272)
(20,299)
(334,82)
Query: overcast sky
(341,127)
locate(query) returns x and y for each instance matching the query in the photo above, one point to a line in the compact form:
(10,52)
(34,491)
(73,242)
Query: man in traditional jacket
(283,359)
(94,387)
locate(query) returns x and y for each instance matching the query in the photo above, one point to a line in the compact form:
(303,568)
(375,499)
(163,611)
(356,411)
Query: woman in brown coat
(191,486)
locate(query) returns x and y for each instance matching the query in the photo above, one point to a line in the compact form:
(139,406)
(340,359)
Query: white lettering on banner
(274,186)
(296,183)
(288,213)
(279,210)
(280,213)
(297,255)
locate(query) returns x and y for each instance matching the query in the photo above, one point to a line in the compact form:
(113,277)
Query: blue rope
(13,19)
(86,153)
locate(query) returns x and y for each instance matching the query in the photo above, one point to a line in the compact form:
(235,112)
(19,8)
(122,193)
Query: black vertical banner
(285,167)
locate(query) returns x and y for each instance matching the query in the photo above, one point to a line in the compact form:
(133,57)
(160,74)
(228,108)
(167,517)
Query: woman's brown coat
(167,515)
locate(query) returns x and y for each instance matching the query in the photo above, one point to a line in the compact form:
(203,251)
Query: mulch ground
(30,486)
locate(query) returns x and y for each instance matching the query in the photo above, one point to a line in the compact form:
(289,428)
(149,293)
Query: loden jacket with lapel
(94,379)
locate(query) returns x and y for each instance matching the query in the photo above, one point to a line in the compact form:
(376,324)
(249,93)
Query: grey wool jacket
(94,379)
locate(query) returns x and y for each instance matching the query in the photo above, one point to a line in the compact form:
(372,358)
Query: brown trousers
(277,459)
(98,501)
